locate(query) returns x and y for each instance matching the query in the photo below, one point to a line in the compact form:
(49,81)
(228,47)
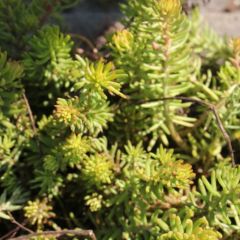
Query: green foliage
(159,63)
(49,55)
(161,54)
(19,19)
(10,204)
(15,128)
(100,77)
(38,212)
(188,229)
(218,198)
(136,145)
(147,184)
(206,42)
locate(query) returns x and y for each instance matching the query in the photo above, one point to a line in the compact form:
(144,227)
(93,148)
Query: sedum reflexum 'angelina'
(220,193)
(59,157)
(69,137)
(148,199)
(206,141)
(159,63)
(15,127)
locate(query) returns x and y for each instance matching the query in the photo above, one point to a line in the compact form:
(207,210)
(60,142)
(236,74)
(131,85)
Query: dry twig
(58,233)
(85,40)
(213,108)
(83,233)
(30,113)
(14,221)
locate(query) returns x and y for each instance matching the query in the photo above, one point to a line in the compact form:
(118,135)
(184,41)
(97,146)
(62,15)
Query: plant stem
(176,137)
(213,108)
(84,233)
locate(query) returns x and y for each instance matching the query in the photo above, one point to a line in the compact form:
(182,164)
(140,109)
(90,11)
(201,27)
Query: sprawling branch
(213,108)
(83,233)
(31,117)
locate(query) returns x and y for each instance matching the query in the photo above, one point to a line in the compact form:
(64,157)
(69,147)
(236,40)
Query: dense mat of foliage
(138,144)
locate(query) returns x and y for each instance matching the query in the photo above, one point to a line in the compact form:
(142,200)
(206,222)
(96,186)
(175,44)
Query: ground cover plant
(136,140)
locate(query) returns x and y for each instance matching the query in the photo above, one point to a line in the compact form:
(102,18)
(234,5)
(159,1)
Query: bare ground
(225,23)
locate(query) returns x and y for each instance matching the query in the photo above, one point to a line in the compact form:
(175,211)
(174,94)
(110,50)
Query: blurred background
(91,18)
